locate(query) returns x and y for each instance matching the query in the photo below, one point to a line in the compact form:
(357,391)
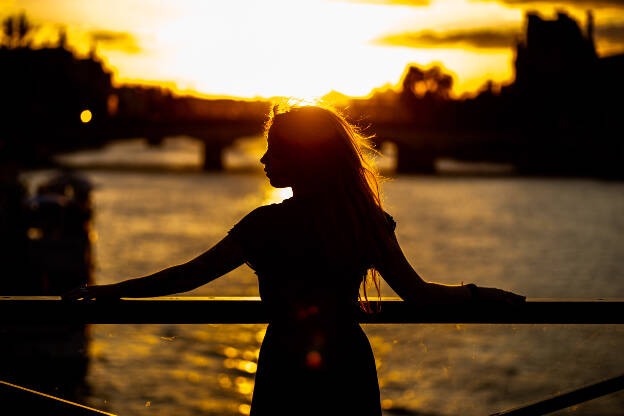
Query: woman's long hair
(334,158)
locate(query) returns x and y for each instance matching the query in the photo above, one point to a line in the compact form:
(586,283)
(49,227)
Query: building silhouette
(562,98)
(44,91)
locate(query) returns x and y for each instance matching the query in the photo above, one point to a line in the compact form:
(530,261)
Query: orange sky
(303,48)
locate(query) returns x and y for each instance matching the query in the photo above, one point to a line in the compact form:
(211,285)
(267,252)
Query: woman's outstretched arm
(403,279)
(225,256)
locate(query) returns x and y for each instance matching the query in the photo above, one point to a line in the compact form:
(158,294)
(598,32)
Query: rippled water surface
(538,237)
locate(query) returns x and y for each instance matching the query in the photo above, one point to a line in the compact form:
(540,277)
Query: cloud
(488,38)
(594,4)
(491,38)
(123,41)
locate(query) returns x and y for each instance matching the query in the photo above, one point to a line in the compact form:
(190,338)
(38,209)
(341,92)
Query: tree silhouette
(428,83)
(17,31)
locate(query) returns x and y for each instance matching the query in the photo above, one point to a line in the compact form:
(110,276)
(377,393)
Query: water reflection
(539,236)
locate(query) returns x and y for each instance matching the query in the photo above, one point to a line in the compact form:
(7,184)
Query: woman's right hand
(92,292)
(492,295)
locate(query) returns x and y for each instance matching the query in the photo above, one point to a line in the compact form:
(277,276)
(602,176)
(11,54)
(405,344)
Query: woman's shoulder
(263,210)
(258,219)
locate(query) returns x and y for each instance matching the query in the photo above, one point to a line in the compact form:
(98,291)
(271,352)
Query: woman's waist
(312,310)
(336,336)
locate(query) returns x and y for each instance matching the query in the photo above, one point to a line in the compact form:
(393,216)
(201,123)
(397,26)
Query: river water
(541,237)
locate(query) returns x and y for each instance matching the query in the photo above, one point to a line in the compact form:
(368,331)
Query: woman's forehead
(273,137)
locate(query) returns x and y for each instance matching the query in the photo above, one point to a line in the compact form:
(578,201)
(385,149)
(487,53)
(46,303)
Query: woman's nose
(263,159)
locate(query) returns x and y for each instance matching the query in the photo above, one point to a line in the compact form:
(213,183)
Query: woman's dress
(315,359)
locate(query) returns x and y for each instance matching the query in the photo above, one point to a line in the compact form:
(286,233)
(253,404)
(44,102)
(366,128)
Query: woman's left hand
(92,292)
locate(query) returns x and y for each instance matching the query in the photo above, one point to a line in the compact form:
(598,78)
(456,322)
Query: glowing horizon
(301,49)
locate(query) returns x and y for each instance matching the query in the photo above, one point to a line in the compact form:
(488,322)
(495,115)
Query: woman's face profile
(277,164)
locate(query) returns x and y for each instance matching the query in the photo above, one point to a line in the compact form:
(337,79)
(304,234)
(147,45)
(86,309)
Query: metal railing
(567,399)
(246,310)
(21,400)
(249,310)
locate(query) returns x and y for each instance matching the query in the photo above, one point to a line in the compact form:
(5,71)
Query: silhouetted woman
(312,253)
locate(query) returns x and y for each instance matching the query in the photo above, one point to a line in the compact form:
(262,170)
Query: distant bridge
(216,135)
(417,149)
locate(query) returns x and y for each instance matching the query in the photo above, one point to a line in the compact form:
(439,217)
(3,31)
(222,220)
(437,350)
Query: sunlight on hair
(283,104)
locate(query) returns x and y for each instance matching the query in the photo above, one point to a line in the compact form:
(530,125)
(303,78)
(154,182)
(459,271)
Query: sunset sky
(303,48)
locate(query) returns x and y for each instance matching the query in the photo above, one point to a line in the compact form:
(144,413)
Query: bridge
(216,135)
(417,148)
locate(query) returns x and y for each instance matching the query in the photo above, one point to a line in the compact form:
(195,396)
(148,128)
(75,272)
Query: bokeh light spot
(244,409)
(86,116)
(314,359)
